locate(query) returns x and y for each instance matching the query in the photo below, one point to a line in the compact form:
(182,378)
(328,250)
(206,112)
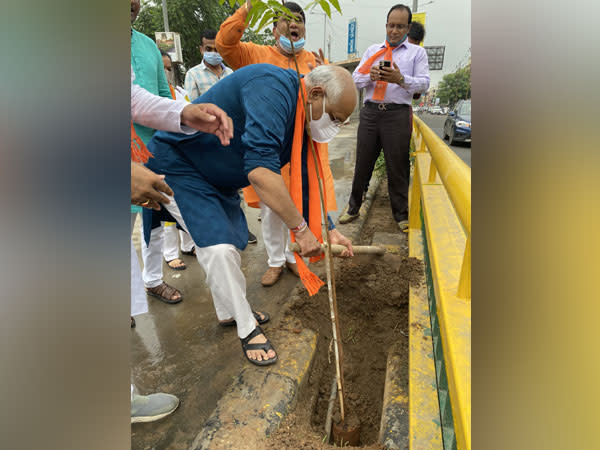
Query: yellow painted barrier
(456,178)
(440,205)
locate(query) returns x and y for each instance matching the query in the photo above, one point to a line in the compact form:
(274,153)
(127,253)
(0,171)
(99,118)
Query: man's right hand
(309,246)
(375,75)
(208,118)
(146,187)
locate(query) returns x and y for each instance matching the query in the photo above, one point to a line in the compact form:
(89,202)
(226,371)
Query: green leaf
(269,15)
(232,3)
(325,7)
(336,5)
(275,5)
(257,12)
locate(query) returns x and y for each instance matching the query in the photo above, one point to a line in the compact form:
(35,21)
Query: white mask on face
(324,129)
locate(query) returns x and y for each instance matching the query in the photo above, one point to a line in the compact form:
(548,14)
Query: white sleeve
(157,112)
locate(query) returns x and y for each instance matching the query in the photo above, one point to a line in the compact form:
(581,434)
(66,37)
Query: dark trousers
(388,130)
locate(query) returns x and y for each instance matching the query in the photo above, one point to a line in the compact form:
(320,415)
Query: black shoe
(251,238)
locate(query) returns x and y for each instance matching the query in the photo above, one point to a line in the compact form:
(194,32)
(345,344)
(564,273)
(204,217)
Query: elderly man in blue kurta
(147,65)
(268,115)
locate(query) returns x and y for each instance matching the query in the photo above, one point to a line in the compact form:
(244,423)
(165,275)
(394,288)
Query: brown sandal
(165,293)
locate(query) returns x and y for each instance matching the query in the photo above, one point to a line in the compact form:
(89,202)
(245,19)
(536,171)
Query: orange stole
(312,282)
(380,86)
(139,152)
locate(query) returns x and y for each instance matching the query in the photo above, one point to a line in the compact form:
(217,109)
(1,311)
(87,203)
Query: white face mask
(324,129)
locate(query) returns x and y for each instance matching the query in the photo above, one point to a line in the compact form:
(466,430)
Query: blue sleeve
(267,109)
(330,224)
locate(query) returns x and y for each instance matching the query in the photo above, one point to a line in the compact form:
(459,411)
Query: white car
(436,110)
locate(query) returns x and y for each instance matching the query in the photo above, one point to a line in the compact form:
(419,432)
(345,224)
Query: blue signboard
(352,37)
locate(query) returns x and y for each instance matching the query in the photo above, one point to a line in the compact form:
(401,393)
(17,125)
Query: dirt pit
(372,296)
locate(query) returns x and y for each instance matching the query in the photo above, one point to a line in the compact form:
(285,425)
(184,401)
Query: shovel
(337,249)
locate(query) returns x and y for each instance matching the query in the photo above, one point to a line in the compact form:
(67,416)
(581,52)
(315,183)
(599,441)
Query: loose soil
(372,296)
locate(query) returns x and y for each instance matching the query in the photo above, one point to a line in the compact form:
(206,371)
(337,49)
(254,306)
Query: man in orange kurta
(239,54)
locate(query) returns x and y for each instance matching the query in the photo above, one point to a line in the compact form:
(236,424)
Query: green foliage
(189,18)
(265,13)
(455,86)
(261,38)
(380,165)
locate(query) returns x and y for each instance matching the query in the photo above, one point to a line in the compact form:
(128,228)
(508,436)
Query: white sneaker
(148,408)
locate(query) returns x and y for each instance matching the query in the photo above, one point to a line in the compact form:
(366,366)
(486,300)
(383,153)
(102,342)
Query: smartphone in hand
(385,63)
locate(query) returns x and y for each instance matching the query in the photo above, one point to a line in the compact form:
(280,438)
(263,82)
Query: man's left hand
(335,237)
(319,59)
(391,75)
(147,187)
(208,118)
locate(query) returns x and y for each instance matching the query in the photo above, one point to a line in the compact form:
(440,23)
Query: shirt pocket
(405,64)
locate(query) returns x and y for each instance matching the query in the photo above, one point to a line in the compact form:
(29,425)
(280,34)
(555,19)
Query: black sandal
(260,321)
(192,252)
(266,346)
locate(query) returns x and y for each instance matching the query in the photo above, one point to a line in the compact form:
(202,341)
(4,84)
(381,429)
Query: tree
(455,86)
(261,38)
(189,18)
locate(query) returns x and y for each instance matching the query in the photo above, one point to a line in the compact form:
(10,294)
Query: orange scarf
(312,282)
(139,152)
(381,86)
(172,89)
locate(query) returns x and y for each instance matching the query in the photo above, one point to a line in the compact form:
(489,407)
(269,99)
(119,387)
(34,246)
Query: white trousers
(187,243)
(139,301)
(152,257)
(276,236)
(170,248)
(225,279)
(171,241)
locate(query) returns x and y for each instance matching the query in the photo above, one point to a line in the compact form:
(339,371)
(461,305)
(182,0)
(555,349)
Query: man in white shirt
(202,77)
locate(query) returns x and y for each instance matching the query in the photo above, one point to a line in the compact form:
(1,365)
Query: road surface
(436,123)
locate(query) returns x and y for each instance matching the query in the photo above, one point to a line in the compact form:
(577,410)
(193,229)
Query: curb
(393,432)
(259,398)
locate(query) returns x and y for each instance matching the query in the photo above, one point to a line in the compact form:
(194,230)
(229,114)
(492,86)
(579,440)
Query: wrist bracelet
(303,225)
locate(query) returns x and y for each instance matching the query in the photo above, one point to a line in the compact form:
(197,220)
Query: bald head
(336,84)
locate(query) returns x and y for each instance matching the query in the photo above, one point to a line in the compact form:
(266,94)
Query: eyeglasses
(400,26)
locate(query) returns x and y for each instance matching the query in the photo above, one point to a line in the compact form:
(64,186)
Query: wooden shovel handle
(337,249)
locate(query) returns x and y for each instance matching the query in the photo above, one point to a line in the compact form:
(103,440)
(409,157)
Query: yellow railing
(440,203)
(456,177)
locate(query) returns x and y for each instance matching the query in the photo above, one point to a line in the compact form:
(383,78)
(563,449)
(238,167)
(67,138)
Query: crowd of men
(244,130)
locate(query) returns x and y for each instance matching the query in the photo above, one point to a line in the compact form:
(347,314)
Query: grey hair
(330,78)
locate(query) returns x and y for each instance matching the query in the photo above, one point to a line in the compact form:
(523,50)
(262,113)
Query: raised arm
(228,41)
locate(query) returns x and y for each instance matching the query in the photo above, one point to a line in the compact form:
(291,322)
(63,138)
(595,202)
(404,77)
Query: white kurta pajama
(160,113)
